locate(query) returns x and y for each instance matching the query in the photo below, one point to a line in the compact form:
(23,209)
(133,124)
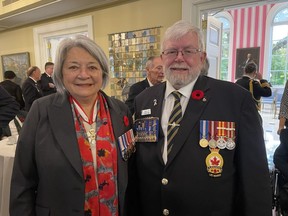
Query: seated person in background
(12,88)
(47,84)
(281,163)
(8,109)
(31,89)
(14,125)
(253,82)
(283,113)
(155,75)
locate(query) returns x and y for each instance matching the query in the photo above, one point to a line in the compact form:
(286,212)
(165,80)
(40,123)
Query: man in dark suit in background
(31,89)
(47,84)
(12,88)
(8,109)
(210,160)
(155,76)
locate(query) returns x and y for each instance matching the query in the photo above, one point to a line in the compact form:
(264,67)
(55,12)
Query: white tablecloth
(7,153)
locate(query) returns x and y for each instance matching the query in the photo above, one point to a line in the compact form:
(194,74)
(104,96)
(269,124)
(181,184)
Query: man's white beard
(180,80)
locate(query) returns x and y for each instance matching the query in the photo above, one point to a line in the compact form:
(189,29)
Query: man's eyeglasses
(173,53)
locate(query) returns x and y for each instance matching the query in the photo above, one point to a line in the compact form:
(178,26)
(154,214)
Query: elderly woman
(73,150)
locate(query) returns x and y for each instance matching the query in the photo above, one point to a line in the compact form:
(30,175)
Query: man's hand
(51,85)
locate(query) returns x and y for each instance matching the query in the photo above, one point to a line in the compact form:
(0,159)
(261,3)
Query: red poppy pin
(197,94)
(126,121)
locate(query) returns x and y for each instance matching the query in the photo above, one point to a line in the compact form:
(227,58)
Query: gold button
(165,212)
(164,181)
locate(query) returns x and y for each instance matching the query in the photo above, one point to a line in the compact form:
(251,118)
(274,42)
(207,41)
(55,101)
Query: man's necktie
(174,120)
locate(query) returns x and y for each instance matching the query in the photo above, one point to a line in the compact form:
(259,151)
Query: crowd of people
(182,143)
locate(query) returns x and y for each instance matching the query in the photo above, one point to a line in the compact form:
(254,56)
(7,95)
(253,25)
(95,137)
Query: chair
(269,100)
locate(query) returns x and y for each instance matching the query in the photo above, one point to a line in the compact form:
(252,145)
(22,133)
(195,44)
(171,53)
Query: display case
(128,53)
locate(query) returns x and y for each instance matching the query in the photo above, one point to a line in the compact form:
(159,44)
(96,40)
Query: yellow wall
(124,17)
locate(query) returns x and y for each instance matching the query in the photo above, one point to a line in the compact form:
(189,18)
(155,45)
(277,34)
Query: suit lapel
(156,105)
(61,119)
(191,116)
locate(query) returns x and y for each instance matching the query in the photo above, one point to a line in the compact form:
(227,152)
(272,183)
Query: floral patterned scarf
(101,197)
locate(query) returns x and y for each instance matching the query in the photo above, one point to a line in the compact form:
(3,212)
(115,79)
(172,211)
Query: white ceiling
(46,9)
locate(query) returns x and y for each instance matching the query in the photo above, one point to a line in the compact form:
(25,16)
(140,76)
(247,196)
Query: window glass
(279,59)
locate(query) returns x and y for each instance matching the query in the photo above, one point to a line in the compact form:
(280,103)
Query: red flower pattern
(197,94)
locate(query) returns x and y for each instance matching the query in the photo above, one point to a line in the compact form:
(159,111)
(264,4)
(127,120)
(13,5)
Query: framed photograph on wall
(18,63)
(245,55)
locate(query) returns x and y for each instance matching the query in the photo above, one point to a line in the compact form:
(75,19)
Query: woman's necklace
(91,132)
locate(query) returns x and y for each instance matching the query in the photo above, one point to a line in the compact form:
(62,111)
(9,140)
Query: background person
(68,159)
(206,167)
(155,75)
(30,88)
(205,68)
(283,113)
(280,160)
(47,84)
(12,88)
(253,82)
(8,109)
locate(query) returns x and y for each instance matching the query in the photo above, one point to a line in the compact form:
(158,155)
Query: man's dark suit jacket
(45,80)
(31,92)
(135,89)
(14,90)
(8,107)
(47,176)
(183,186)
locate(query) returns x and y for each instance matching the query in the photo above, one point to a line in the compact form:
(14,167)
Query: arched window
(227,25)
(279,51)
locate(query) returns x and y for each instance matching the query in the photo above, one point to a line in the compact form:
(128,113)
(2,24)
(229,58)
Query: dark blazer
(47,176)
(281,154)
(45,80)
(135,89)
(14,90)
(183,185)
(8,107)
(261,89)
(31,91)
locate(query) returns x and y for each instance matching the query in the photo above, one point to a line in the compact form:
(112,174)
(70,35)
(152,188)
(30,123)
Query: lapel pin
(155,102)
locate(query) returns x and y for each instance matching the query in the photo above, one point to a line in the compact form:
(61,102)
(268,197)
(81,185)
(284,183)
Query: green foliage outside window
(279,54)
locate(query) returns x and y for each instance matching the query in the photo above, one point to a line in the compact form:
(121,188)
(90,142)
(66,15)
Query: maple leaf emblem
(215,161)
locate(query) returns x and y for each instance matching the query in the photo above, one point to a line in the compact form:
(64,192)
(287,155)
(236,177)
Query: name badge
(147,129)
(145,112)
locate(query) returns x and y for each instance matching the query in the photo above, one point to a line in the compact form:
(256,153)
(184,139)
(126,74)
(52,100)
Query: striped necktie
(174,120)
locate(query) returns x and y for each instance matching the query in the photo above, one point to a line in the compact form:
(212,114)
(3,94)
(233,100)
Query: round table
(7,153)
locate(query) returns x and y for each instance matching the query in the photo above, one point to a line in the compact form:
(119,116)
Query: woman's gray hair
(180,29)
(87,44)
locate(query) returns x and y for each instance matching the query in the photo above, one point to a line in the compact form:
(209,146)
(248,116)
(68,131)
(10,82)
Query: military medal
(221,143)
(203,143)
(214,163)
(127,144)
(147,129)
(230,145)
(212,142)
(203,132)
